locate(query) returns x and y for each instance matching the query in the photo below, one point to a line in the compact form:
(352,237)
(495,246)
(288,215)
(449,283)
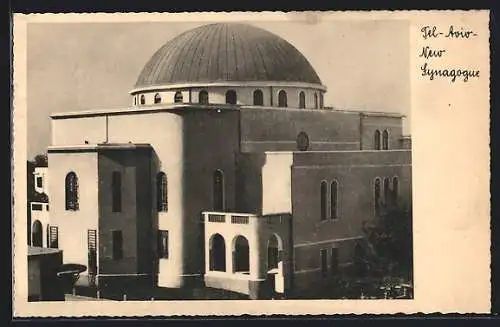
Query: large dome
(226,53)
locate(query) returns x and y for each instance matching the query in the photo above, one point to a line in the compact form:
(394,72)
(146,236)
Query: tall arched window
(203,97)
(143,99)
(385,140)
(321,100)
(157,98)
(135,101)
(387,191)
(178,97)
(377,140)
(258,98)
(282,100)
(395,189)
(71,191)
(302,100)
(218,190)
(334,200)
(37,234)
(377,195)
(324,200)
(231,97)
(162,192)
(315,100)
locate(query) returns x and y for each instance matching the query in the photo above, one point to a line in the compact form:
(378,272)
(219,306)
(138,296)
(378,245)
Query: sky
(85,66)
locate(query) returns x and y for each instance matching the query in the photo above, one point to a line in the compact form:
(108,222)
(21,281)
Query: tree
(387,246)
(41,160)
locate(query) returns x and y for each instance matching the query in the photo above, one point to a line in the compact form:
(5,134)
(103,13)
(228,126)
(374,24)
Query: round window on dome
(258,98)
(178,97)
(302,100)
(157,98)
(231,97)
(303,141)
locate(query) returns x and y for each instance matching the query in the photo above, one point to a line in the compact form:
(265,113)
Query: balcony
(245,252)
(232,218)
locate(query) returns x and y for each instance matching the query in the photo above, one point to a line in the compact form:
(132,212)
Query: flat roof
(33,250)
(96,147)
(140,110)
(195,106)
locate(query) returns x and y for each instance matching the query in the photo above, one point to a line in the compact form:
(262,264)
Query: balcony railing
(217,218)
(239,220)
(242,218)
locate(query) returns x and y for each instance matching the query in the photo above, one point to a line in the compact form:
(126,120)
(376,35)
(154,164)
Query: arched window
(231,97)
(71,188)
(178,97)
(135,101)
(37,234)
(273,252)
(302,100)
(387,191)
(377,140)
(385,140)
(217,255)
(315,100)
(334,199)
(218,190)
(162,192)
(324,199)
(157,98)
(116,191)
(143,99)
(377,195)
(395,189)
(241,255)
(282,100)
(203,97)
(321,99)
(258,98)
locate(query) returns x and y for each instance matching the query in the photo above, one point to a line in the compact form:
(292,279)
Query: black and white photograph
(219,159)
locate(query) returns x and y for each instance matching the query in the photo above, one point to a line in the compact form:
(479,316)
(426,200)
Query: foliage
(387,247)
(40,160)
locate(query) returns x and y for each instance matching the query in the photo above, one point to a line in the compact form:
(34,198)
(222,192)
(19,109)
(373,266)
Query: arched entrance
(37,234)
(275,262)
(217,253)
(241,255)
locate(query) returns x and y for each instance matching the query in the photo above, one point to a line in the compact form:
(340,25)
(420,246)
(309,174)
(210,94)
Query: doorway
(275,263)
(37,234)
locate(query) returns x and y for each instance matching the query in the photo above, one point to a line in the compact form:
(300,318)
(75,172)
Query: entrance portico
(247,253)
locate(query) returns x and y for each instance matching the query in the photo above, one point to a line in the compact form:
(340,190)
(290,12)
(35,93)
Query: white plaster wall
(73,225)
(167,97)
(163,131)
(277,183)
(229,232)
(43,173)
(77,131)
(217,95)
